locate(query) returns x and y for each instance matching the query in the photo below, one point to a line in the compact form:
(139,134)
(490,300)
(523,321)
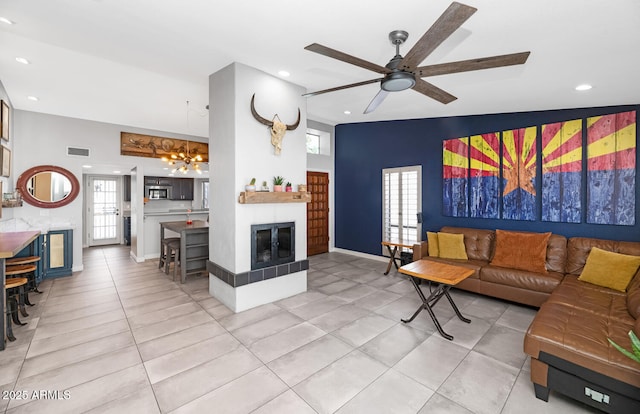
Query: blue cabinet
(56,251)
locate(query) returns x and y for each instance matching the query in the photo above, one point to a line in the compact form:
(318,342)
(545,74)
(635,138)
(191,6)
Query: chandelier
(182,161)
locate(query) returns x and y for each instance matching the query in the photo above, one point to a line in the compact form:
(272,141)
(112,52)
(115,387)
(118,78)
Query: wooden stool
(173,255)
(33,285)
(15,287)
(164,250)
(20,270)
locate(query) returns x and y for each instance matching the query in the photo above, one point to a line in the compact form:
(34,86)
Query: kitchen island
(194,245)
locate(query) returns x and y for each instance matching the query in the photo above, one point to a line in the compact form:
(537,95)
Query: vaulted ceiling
(138,62)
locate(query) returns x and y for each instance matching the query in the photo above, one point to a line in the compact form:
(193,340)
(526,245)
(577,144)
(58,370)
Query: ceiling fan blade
(337,88)
(376,101)
(332,53)
(473,64)
(447,23)
(433,91)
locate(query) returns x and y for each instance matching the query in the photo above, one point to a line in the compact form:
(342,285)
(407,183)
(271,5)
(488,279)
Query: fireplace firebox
(272,244)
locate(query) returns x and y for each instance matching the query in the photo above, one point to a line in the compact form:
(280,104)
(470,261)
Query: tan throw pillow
(609,269)
(432,244)
(451,246)
(521,250)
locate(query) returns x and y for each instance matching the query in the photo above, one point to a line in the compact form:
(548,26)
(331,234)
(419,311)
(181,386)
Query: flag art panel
(611,169)
(519,174)
(484,175)
(455,168)
(562,171)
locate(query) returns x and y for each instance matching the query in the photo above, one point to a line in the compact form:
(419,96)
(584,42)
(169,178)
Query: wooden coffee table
(392,247)
(446,275)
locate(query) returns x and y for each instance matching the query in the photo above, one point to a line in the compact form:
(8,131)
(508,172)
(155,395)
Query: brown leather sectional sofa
(567,340)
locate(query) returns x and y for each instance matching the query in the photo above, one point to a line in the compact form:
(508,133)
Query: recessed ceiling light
(284,73)
(116,172)
(33,98)
(165,168)
(22,60)
(86,166)
(583,87)
(347,112)
(5,20)
(170,175)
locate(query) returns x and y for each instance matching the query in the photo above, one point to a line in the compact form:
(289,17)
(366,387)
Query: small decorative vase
(302,188)
(249,188)
(277,188)
(289,189)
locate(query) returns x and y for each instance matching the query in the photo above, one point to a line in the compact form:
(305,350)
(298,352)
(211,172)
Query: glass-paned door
(104,210)
(402,204)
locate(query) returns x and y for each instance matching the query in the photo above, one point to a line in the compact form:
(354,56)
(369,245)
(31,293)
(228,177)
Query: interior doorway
(318,213)
(103,210)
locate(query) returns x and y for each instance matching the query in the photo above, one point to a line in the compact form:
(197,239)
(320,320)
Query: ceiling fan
(403,72)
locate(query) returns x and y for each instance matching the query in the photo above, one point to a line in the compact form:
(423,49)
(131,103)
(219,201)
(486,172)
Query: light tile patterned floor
(122,337)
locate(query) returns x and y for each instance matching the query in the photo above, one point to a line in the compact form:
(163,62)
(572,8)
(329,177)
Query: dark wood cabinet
(126,188)
(165,181)
(182,189)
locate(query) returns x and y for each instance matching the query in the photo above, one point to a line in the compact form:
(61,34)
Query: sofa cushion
(478,242)
(633,296)
(580,337)
(578,249)
(451,246)
(539,282)
(556,253)
(432,240)
(591,298)
(609,269)
(521,250)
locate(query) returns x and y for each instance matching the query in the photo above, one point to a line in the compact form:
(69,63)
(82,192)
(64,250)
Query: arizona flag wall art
(455,169)
(562,171)
(611,169)
(519,174)
(484,175)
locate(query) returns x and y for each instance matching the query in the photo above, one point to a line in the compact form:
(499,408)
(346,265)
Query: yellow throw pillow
(451,246)
(432,244)
(609,269)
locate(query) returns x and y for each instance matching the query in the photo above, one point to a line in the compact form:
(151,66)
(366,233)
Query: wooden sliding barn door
(318,213)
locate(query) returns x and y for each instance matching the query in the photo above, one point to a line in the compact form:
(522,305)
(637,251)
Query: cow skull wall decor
(277,127)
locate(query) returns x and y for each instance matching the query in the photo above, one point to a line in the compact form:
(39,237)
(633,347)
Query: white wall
(325,163)
(250,154)
(7,182)
(43,139)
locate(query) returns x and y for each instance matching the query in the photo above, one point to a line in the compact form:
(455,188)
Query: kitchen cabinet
(126,188)
(165,181)
(182,189)
(55,249)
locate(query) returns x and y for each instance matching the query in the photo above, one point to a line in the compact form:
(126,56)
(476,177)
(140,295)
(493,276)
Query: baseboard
(360,254)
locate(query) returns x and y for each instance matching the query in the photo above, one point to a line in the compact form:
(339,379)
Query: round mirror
(48,186)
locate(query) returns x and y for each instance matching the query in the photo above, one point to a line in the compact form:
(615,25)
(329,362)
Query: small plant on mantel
(251,186)
(635,347)
(265,187)
(288,188)
(277,183)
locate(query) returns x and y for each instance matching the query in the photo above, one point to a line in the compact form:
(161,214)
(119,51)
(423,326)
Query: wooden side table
(447,276)
(392,247)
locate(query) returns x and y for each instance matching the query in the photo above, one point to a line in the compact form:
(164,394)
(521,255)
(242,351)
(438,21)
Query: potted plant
(265,187)
(288,188)
(635,347)
(277,183)
(251,186)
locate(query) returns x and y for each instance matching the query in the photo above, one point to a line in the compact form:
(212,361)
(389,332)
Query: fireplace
(272,244)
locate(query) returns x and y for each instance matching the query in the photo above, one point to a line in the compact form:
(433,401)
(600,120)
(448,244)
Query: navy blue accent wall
(364,149)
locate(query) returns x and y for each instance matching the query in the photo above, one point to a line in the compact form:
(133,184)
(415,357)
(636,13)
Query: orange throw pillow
(521,250)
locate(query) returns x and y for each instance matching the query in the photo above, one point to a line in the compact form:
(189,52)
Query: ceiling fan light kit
(403,73)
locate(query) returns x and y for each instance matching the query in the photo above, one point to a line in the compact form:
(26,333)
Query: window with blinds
(402,202)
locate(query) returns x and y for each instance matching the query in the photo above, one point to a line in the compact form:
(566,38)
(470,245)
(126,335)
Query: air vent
(82,152)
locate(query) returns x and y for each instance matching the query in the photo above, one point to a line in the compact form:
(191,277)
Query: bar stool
(15,287)
(33,285)
(22,270)
(173,255)
(164,250)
